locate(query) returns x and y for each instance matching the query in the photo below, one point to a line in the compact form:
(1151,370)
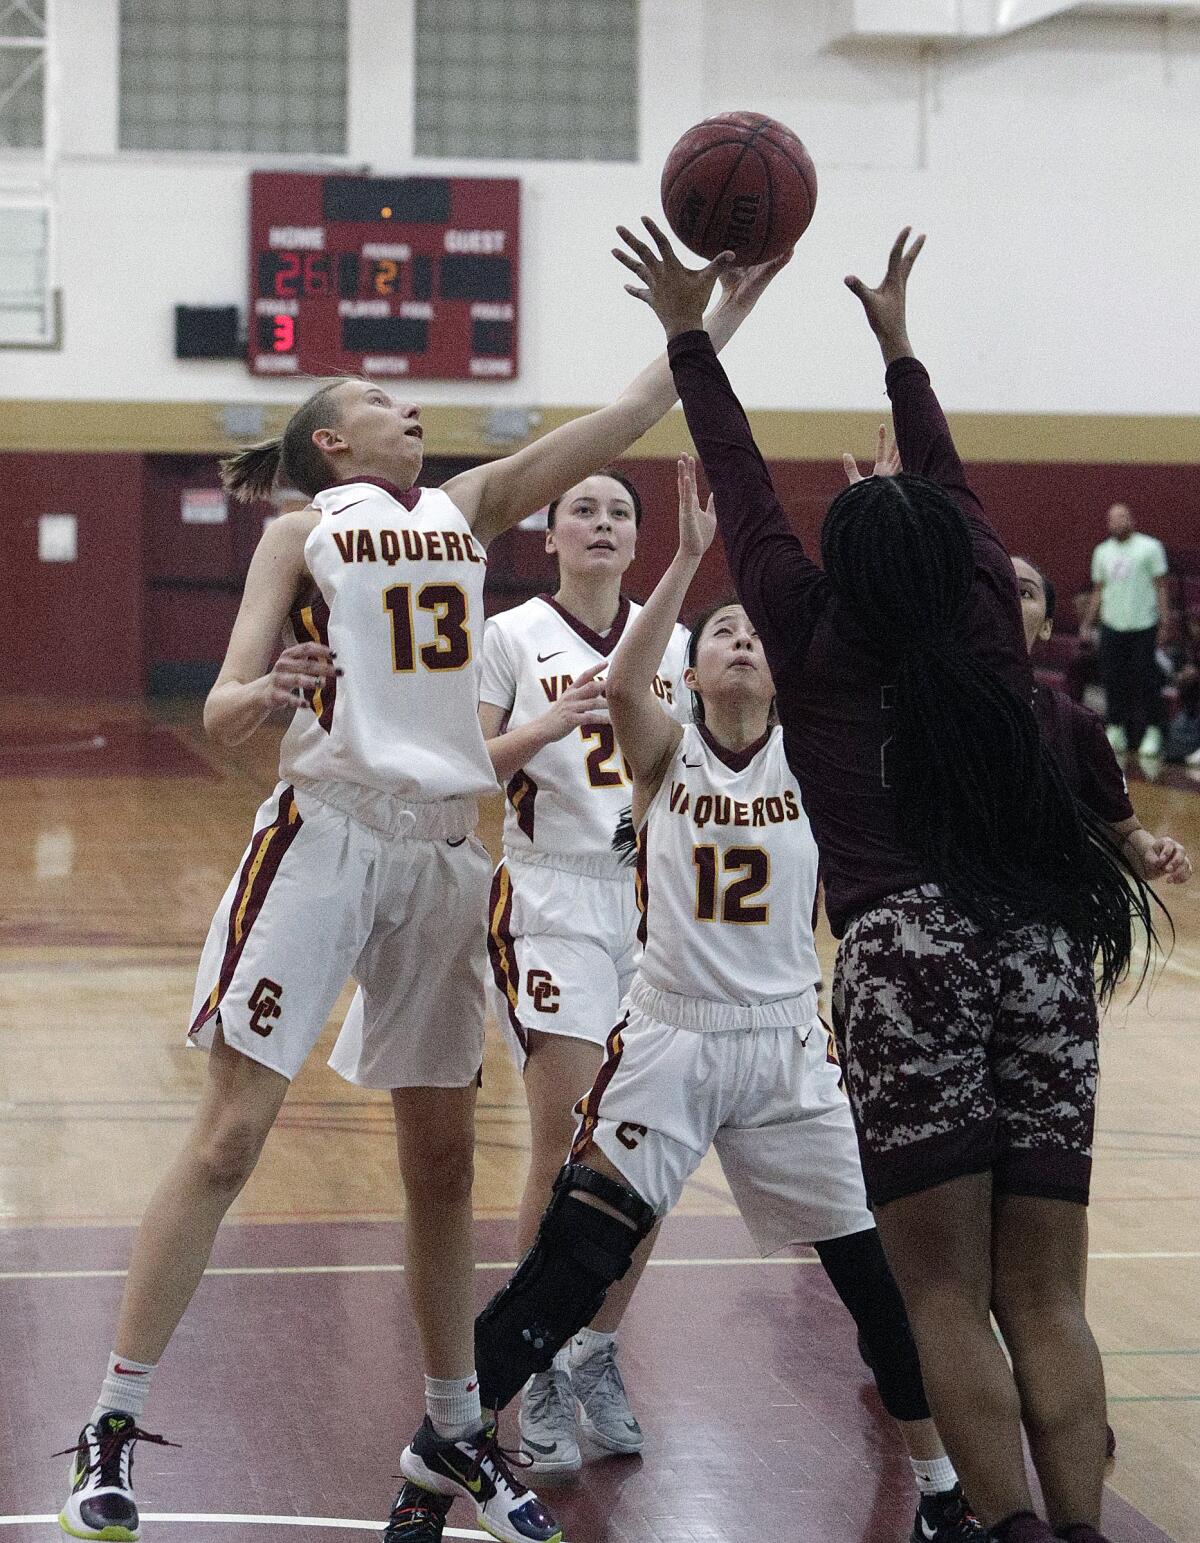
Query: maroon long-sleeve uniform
(1091,770)
(832,686)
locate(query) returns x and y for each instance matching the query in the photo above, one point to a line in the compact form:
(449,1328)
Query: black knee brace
(859,1271)
(561,1283)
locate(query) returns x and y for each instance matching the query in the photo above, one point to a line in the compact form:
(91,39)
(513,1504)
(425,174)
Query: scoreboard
(409,277)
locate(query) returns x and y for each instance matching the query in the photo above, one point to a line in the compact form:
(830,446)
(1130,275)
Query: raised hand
(697,522)
(886,304)
(743,286)
(677,295)
(887,459)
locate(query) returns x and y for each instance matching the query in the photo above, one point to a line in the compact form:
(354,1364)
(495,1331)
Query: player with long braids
(971,892)
(719,1043)
(364,863)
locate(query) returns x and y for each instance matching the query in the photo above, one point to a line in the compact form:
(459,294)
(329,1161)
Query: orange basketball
(740,182)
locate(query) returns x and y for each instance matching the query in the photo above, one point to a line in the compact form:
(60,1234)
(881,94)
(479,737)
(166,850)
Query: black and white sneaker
(476,1468)
(418,1516)
(101,1503)
(946,1518)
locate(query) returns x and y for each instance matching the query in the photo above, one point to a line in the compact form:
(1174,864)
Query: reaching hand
(885,305)
(697,523)
(677,295)
(580,706)
(743,287)
(298,670)
(887,459)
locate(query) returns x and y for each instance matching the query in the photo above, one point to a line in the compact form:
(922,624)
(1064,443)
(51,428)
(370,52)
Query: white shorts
(564,949)
(321,896)
(769,1100)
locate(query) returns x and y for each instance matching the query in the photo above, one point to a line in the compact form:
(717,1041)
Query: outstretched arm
(778,584)
(496,496)
(646,734)
(923,438)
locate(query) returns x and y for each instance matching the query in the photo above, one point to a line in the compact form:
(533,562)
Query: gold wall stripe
(196,428)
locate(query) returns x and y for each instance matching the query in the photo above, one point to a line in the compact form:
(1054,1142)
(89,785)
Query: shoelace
(608,1381)
(416,1504)
(110,1448)
(554,1395)
(502,1460)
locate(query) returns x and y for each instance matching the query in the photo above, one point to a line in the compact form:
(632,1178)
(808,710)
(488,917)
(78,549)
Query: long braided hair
(980,799)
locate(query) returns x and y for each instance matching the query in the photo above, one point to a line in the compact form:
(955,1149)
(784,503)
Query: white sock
(452,1404)
(588,1341)
(126,1388)
(934,1475)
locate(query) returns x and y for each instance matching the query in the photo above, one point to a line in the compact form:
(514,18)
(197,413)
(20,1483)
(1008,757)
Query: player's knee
(858,1269)
(1029,1289)
(227,1153)
(440,1170)
(580,1250)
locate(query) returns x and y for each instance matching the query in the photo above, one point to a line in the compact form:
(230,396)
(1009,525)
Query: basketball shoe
(417,1516)
(946,1518)
(604,1412)
(547,1423)
(101,1503)
(476,1468)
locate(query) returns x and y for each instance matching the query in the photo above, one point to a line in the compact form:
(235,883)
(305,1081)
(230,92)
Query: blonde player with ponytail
(363,863)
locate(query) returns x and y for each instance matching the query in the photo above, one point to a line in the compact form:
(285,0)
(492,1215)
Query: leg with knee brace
(560,1285)
(859,1271)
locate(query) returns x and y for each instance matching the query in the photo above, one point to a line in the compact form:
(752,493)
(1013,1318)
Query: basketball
(740,182)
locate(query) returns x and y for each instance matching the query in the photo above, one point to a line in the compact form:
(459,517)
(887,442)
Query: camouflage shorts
(966,1053)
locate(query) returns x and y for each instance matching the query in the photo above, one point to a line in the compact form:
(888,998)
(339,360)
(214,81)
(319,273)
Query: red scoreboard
(410,277)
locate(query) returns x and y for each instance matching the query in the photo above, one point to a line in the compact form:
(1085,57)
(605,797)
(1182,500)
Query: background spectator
(1129,573)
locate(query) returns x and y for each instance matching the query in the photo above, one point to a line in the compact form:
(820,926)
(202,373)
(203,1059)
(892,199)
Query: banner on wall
(204,506)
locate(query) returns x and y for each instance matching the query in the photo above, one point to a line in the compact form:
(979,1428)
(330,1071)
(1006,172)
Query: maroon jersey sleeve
(1103,787)
(927,450)
(782,589)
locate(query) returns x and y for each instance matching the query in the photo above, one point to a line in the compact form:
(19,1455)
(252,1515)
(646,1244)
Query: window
(527,79)
(22,73)
(28,317)
(237,75)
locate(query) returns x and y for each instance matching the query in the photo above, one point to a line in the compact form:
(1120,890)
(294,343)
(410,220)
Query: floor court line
(1107,1255)
(217,1518)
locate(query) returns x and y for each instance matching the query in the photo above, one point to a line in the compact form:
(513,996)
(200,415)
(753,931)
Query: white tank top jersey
(565,802)
(727,876)
(399,599)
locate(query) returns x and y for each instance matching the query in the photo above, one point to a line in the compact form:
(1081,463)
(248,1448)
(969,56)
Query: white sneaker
(101,1503)
(1152,741)
(1115,735)
(604,1413)
(547,1423)
(1193,759)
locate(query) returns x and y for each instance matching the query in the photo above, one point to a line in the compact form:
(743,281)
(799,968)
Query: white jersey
(399,599)
(727,870)
(566,800)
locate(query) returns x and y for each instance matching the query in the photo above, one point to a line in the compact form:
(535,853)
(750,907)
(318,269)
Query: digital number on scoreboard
(412,277)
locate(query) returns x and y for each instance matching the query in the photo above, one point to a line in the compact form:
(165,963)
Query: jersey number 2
(451,647)
(756,866)
(600,774)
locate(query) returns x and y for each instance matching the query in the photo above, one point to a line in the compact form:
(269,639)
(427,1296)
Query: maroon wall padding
(74,628)
(148,590)
(1052,514)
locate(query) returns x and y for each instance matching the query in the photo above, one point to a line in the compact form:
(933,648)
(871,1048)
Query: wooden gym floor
(293,1380)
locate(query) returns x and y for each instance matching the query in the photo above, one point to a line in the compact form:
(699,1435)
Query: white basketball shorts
(321,895)
(768,1099)
(564,949)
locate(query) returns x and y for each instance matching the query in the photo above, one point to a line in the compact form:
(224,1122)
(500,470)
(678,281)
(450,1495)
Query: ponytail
(292,457)
(250,472)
